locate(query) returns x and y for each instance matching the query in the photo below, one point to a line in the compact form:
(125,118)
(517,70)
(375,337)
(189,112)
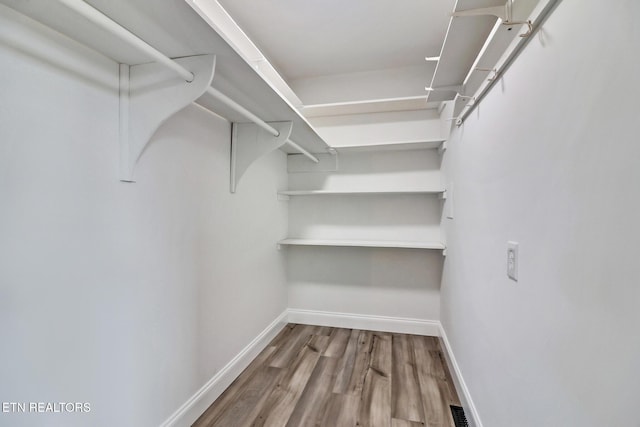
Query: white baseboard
(189,412)
(467,402)
(366,322)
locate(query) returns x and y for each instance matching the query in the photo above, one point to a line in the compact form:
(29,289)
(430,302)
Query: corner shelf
(357,192)
(364,244)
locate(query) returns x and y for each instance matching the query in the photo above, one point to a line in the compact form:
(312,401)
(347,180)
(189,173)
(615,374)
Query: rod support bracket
(149,94)
(528,23)
(504,13)
(250,142)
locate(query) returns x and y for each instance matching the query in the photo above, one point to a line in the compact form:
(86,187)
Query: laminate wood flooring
(332,377)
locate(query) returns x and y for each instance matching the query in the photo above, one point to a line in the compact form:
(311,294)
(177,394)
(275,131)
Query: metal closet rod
(534,27)
(116,29)
(255,119)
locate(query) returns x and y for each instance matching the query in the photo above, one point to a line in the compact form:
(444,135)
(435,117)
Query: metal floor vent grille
(459,419)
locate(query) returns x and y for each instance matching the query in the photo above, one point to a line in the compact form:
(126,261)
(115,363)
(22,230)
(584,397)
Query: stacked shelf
(378,218)
(356,192)
(364,243)
(393,146)
(400,244)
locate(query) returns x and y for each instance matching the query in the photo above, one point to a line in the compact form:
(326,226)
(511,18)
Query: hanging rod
(257,120)
(106,23)
(540,19)
(116,29)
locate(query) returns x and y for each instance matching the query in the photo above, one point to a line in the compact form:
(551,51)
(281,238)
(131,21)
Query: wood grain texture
(346,363)
(375,405)
(313,403)
(320,376)
(405,390)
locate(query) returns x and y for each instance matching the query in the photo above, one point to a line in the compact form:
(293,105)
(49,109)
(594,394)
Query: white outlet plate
(512,260)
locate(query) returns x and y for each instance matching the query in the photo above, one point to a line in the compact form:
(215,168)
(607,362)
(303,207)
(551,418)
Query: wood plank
(454,399)
(282,401)
(319,343)
(314,400)
(395,422)
(247,407)
(428,379)
(232,393)
(347,363)
(405,391)
(446,383)
(321,376)
(291,347)
(342,411)
(375,406)
(324,330)
(338,342)
(361,364)
(284,334)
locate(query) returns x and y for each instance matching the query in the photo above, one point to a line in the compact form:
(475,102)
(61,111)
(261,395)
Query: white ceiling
(318,38)
(337,52)
(359,56)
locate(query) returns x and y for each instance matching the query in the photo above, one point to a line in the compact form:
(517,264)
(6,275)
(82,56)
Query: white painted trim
(467,402)
(189,412)
(366,322)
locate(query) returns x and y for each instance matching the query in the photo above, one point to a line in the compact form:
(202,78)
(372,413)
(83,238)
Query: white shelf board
(184,33)
(364,243)
(410,103)
(390,146)
(356,192)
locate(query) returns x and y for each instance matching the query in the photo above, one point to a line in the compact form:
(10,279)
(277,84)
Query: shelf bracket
(446,114)
(149,95)
(249,142)
(504,13)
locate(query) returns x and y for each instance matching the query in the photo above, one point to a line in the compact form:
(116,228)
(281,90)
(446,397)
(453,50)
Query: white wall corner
(195,406)
(365,322)
(463,392)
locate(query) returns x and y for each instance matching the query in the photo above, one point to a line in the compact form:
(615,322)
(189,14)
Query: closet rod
(307,154)
(111,26)
(257,120)
(106,23)
(524,41)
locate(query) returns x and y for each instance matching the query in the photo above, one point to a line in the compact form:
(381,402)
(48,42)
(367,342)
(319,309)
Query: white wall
(550,159)
(127,296)
(368,281)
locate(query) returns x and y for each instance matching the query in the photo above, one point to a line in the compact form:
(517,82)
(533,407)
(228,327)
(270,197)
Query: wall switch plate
(512,260)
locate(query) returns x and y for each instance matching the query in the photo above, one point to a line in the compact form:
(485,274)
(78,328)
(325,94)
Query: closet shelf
(178,75)
(364,243)
(355,192)
(390,146)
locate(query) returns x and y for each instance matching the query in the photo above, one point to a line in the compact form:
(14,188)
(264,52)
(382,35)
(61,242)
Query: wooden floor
(321,376)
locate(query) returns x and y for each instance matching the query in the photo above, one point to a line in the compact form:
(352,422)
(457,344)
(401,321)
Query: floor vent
(459,419)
